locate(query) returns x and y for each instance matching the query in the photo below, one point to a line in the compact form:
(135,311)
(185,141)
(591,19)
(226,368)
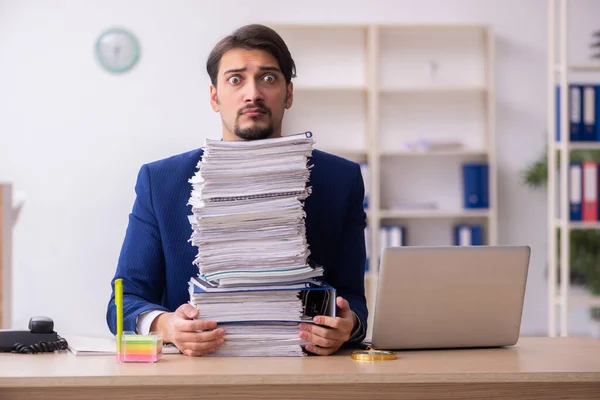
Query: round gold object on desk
(373,355)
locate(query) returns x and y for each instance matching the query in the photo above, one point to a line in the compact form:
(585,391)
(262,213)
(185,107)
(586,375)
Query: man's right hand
(180,328)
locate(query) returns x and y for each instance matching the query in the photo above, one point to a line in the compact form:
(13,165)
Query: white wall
(73,137)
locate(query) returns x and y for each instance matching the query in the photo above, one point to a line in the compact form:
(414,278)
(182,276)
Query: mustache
(257,106)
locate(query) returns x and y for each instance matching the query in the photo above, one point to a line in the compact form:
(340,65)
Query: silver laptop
(450,297)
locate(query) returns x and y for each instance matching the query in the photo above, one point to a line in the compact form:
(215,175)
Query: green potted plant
(584,243)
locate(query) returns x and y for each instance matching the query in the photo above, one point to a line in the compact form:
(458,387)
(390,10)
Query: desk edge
(228,380)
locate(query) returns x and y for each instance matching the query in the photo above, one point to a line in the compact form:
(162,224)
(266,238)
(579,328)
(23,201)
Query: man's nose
(253,93)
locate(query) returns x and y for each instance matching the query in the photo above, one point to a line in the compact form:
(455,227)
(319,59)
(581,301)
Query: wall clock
(117,50)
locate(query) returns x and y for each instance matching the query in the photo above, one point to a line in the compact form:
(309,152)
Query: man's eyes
(236,79)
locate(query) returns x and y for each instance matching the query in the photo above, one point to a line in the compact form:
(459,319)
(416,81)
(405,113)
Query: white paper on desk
(98,346)
(82,345)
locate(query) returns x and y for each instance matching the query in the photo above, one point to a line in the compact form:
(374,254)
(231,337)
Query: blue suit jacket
(156,258)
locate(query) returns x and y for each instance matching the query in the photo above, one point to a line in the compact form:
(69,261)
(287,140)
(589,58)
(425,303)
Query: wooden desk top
(531,360)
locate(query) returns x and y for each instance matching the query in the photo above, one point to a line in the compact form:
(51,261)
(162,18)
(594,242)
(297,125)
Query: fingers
(186,311)
(197,353)
(326,339)
(203,346)
(332,322)
(319,340)
(186,320)
(195,337)
(209,336)
(199,343)
(323,332)
(194,325)
(320,350)
(342,304)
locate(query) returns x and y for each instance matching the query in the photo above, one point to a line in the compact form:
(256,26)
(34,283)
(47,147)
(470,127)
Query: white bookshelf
(560,73)
(366,90)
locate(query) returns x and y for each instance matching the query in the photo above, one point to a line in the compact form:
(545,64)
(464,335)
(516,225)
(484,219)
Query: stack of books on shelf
(583,102)
(583,191)
(248,221)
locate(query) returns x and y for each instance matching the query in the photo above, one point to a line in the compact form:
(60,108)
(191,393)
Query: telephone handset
(40,338)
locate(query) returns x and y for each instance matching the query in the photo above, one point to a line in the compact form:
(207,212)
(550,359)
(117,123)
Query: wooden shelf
(578,145)
(579,67)
(433,27)
(434,153)
(434,213)
(433,90)
(316,25)
(347,153)
(584,225)
(578,225)
(329,88)
(585,68)
(580,301)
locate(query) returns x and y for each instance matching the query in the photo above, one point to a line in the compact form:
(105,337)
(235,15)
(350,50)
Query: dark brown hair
(250,37)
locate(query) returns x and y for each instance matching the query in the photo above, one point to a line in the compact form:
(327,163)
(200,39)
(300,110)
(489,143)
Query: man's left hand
(336,331)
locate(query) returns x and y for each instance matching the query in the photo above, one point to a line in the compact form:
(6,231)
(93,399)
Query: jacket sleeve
(349,280)
(141,262)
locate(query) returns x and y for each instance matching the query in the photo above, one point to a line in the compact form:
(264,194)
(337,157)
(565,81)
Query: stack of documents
(262,321)
(248,222)
(261,340)
(248,216)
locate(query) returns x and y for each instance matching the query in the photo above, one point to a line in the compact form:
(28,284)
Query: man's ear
(214,101)
(289,95)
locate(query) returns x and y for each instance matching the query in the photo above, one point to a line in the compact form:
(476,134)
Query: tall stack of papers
(248,222)
(262,321)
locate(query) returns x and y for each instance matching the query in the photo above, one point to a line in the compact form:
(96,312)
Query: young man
(250,72)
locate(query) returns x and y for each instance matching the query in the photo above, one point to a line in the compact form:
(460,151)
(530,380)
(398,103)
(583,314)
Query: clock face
(117,50)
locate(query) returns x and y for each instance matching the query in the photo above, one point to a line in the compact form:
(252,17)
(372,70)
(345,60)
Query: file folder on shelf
(589,211)
(576,113)
(468,235)
(589,113)
(475,185)
(575,191)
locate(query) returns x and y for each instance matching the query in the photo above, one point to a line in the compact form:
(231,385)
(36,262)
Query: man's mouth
(254,112)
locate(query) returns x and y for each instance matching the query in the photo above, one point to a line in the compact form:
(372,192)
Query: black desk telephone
(39,338)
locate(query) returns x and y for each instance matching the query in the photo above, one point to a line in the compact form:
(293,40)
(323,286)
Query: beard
(253,132)
(257,130)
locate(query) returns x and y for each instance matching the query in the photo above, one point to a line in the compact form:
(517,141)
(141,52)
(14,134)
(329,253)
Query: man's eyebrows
(270,68)
(244,69)
(234,70)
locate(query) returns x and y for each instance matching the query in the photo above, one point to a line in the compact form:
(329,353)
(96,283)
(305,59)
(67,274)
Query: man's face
(251,95)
